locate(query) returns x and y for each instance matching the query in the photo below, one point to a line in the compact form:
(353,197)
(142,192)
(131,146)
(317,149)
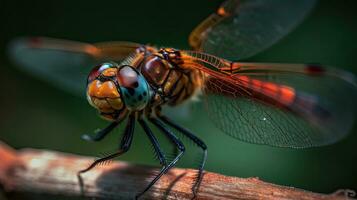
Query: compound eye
(133,88)
(128,77)
(98,70)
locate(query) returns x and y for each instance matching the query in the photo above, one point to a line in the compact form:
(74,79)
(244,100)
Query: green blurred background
(37,115)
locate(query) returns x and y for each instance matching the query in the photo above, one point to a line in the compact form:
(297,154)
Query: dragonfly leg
(124,145)
(101,133)
(159,153)
(165,168)
(195,139)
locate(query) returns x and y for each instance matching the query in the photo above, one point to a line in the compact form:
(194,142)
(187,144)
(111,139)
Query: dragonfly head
(114,90)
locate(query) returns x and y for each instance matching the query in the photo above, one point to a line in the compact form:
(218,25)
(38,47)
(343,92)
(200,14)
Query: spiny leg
(124,145)
(148,114)
(179,145)
(101,133)
(159,153)
(192,137)
(173,138)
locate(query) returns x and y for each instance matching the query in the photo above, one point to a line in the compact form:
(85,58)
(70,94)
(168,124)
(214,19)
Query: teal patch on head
(134,88)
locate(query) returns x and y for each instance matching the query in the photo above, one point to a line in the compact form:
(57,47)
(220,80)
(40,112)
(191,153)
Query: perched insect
(285,105)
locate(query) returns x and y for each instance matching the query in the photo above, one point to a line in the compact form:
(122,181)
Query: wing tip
(315,69)
(20,43)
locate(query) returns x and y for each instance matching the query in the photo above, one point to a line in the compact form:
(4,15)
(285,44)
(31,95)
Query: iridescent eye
(133,88)
(128,77)
(97,70)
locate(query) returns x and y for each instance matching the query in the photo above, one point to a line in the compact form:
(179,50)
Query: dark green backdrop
(34,114)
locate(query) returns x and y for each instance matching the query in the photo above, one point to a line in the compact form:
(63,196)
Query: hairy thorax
(170,84)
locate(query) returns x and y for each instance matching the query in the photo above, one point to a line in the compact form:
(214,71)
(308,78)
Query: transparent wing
(242,28)
(63,63)
(277,104)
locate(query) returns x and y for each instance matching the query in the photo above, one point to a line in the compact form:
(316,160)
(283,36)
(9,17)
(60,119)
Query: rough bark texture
(54,173)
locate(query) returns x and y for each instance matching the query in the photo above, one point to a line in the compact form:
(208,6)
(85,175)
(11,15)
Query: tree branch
(54,173)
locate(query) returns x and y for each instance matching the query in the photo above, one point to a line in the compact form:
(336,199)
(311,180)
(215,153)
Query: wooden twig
(54,173)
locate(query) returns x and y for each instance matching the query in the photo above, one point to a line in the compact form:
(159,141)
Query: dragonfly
(275,104)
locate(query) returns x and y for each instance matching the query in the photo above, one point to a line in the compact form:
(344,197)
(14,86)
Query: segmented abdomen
(273,94)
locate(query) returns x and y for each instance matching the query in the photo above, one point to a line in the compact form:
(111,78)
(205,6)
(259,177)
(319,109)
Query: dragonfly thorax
(170,83)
